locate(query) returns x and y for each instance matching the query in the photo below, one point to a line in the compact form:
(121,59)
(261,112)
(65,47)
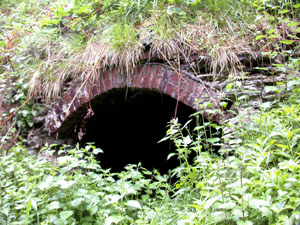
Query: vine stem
(242,199)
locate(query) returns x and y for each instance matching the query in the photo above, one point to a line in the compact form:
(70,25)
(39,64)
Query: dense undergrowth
(254,178)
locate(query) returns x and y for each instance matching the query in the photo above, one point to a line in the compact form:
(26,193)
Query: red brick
(58,108)
(191,100)
(84,97)
(73,108)
(138,81)
(158,71)
(178,90)
(198,91)
(175,79)
(51,126)
(155,82)
(163,84)
(166,74)
(106,83)
(191,85)
(101,84)
(184,96)
(123,81)
(94,91)
(146,80)
(171,90)
(63,116)
(149,76)
(139,70)
(72,93)
(66,97)
(113,77)
(147,71)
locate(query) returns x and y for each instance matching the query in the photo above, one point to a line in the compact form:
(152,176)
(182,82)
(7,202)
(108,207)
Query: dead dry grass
(220,47)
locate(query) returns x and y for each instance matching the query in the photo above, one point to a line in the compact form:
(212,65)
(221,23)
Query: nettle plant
(280,41)
(73,189)
(254,180)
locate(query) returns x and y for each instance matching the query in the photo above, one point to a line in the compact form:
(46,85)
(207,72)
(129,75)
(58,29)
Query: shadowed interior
(127,125)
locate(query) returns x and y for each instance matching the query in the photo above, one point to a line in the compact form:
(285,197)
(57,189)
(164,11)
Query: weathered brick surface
(155,77)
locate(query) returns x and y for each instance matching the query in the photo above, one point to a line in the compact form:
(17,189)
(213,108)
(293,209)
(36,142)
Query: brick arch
(181,86)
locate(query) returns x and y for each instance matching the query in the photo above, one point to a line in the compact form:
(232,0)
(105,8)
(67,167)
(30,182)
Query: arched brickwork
(181,86)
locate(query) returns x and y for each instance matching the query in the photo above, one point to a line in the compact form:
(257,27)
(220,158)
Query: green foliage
(278,7)
(120,36)
(73,189)
(253,179)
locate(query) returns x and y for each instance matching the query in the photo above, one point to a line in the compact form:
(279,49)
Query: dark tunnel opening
(127,125)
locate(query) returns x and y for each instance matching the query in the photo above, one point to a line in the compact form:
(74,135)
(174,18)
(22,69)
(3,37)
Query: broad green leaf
(76,202)
(228,205)
(244,222)
(283,146)
(20,123)
(196,206)
(237,213)
(115,219)
(260,37)
(210,202)
(257,203)
(281,193)
(64,215)
(46,184)
(93,209)
(195,2)
(296,6)
(292,24)
(54,205)
(284,11)
(24,113)
(187,140)
(223,104)
(171,155)
(292,83)
(270,88)
(283,218)
(271,18)
(275,36)
(213,140)
(97,151)
(134,204)
(271,31)
(284,154)
(65,184)
(287,42)
(34,204)
(60,13)
(114,198)
(229,86)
